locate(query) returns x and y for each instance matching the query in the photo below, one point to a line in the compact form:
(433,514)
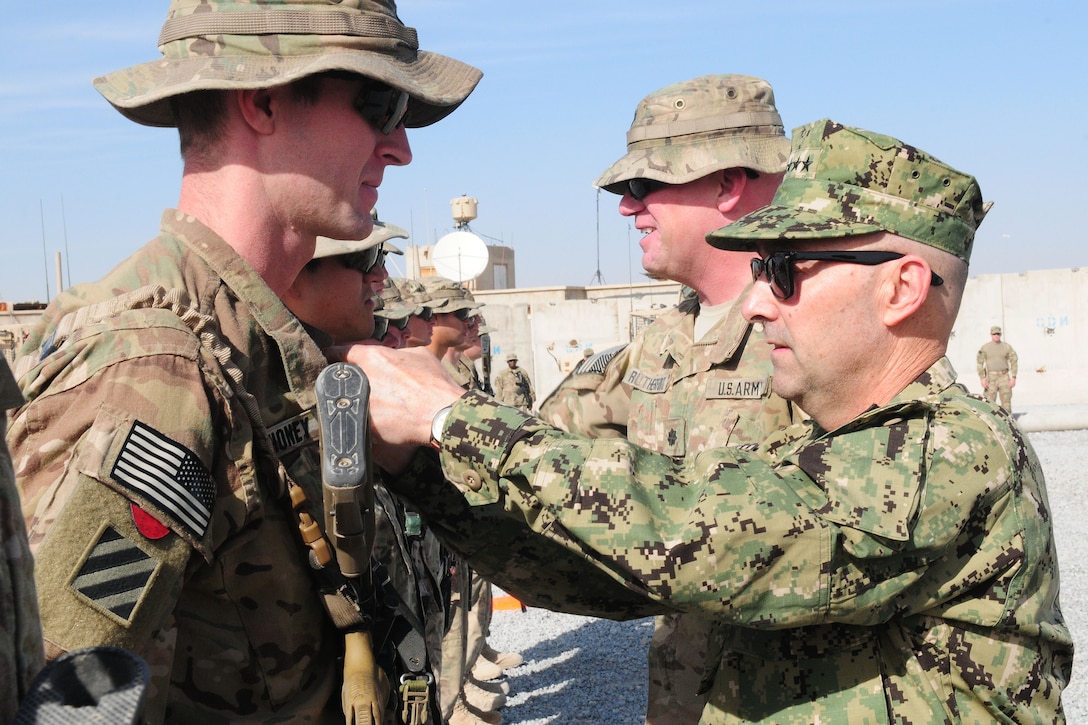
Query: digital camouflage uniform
(997,363)
(925,591)
(900,568)
(670,394)
(21,655)
(198,568)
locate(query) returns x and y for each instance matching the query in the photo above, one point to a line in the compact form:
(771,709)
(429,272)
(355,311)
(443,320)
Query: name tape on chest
(293,433)
(748,388)
(647,383)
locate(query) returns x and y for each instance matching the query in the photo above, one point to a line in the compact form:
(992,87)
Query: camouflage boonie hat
(391,303)
(688,130)
(444,295)
(231,44)
(383,232)
(844,182)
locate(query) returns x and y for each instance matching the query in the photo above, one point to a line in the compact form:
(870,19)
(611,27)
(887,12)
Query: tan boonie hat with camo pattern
(383,232)
(688,130)
(845,182)
(231,44)
(393,304)
(444,295)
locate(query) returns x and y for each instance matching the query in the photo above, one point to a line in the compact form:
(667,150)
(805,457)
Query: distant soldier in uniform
(420,325)
(701,154)
(861,566)
(513,385)
(170,404)
(21,654)
(997,369)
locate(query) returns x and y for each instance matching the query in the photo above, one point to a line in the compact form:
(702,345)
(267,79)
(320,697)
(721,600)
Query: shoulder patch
(168,475)
(114,575)
(597,363)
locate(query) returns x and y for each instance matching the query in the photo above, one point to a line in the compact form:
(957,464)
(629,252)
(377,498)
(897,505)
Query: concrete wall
(1043,314)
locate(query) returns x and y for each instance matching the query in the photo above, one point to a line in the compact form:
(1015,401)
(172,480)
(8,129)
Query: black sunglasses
(381,327)
(364,260)
(426,314)
(778,268)
(383,107)
(639,189)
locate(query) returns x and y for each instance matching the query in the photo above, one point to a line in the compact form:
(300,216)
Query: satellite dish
(460,256)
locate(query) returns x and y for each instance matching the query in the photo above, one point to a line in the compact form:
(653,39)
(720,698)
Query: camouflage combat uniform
(513,387)
(154,505)
(21,654)
(464,373)
(996,363)
(676,396)
(901,568)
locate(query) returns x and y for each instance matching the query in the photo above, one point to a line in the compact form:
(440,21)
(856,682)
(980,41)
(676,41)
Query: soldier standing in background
(997,363)
(168,403)
(513,385)
(700,154)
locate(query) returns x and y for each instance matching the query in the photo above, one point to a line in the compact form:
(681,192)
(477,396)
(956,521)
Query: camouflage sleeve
(115,452)
(980,362)
(550,570)
(21,655)
(592,401)
(1013,361)
(739,539)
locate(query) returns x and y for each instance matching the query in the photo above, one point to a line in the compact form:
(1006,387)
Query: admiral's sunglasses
(779,270)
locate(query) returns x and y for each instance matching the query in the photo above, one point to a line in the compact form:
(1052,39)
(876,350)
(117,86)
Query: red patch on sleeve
(147,524)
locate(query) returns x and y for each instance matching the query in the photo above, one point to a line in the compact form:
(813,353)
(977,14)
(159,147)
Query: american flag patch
(168,475)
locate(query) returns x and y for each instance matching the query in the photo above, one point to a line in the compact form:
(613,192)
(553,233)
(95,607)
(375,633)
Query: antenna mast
(597,276)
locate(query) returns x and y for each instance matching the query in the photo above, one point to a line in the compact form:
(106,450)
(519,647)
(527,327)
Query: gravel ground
(586,670)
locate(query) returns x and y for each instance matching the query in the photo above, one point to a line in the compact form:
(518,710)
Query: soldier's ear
(907,285)
(731,185)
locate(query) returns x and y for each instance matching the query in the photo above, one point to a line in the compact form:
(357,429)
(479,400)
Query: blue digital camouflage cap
(843,182)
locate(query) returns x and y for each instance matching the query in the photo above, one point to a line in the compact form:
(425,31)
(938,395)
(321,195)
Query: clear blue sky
(993,87)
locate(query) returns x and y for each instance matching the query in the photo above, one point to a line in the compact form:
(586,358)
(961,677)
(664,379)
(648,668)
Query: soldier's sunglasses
(639,189)
(778,268)
(364,260)
(383,107)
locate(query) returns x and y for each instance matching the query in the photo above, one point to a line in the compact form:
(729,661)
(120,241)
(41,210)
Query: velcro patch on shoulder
(169,476)
(114,575)
(599,362)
